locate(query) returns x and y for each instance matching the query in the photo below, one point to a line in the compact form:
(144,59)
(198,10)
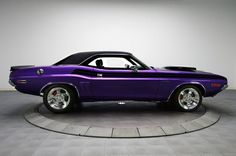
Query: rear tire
(187,98)
(59,98)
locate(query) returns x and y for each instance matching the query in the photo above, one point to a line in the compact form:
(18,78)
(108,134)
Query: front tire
(59,98)
(187,98)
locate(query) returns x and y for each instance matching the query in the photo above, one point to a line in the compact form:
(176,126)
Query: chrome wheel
(189,98)
(58,98)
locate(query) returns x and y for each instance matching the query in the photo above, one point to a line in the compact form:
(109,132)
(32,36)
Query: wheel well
(199,86)
(73,88)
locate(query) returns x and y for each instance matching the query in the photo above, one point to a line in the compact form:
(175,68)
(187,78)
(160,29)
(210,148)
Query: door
(118,78)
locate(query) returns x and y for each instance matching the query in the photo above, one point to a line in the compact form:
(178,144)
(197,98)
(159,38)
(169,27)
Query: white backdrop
(165,32)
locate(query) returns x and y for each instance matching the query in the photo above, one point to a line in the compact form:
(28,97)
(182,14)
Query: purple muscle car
(114,76)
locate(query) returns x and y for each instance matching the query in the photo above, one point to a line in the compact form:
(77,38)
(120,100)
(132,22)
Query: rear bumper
(11,83)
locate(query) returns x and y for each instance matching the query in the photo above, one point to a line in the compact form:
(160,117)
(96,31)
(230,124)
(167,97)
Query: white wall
(161,33)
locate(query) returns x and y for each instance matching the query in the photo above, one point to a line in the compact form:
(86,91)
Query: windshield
(140,62)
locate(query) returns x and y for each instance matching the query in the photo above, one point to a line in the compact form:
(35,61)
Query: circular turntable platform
(132,120)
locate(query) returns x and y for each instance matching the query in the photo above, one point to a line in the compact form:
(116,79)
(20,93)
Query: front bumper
(224,87)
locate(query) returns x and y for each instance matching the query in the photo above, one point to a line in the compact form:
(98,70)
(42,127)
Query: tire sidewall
(66,109)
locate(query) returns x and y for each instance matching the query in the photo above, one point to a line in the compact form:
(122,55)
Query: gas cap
(40,71)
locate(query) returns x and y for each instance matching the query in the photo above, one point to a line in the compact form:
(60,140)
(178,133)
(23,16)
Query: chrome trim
(124,54)
(224,87)
(99,75)
(121,103)
(40,71)
(11,83)
(189,83)
(99,55)
(21,81)
(54,83)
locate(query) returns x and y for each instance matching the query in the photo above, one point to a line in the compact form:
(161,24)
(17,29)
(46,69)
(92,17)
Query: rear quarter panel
(51,75)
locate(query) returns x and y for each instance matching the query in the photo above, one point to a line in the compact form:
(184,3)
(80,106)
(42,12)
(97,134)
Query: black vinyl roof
(80,57)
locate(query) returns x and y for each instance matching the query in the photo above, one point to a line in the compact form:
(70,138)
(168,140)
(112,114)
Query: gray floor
(17,137)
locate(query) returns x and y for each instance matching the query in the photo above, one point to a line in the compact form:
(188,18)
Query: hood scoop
(179,68)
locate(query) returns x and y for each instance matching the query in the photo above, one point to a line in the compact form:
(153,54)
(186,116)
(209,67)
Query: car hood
(195,73)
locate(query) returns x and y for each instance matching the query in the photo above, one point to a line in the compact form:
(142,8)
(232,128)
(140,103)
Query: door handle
(99,75)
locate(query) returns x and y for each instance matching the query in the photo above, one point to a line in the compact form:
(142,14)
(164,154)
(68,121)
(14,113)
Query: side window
(111,62)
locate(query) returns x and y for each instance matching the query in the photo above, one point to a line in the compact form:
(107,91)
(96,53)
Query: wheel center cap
(59,98)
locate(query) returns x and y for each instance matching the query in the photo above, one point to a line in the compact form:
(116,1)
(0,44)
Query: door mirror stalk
(134,68)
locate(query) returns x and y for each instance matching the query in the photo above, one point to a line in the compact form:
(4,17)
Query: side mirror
(127,66)
(134,68)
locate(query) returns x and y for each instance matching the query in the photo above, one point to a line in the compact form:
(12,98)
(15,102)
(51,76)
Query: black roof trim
(80,57)
(103,52)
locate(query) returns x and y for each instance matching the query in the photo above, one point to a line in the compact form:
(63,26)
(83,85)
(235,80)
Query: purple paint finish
(149,84)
